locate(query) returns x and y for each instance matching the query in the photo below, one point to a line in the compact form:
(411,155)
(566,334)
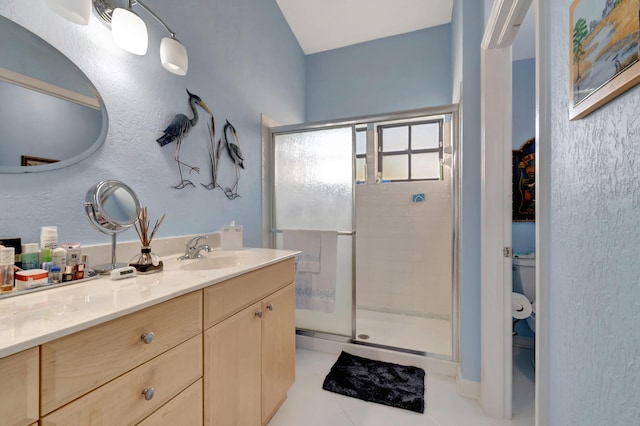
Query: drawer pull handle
(259,314)
(149,393)
(270,306)
(148,337)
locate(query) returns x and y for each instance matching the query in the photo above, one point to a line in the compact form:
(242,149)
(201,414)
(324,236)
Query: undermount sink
(223,259)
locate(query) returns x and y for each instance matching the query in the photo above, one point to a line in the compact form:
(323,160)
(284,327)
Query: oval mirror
(111,207)
(52,115)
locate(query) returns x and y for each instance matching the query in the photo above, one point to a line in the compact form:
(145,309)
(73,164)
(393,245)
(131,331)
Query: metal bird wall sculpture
(233,147)
(179,127)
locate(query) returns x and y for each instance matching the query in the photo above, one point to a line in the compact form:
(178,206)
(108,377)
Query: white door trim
(496,117)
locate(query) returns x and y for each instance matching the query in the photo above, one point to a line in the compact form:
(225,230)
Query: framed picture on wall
(27,160)
(524,182)
(603,52)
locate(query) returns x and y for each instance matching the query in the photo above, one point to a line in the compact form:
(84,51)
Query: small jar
(55,275)
(7,258)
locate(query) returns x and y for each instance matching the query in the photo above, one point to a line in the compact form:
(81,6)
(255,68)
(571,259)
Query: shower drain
(363,336)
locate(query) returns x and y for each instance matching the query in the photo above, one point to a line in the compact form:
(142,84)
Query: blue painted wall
(468,28)
(524,128)
(406,71)
(243,61)
(592,245)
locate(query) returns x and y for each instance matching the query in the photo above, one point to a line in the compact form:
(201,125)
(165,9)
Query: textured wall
(406,71)
(593,346)
(243,60)
(524,128)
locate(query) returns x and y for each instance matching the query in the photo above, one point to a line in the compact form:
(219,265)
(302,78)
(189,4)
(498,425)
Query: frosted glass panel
(395,167)
(395,139)
(425,166)
(361,142)
(314,180)
(361,171)
(313,190)
(425,136)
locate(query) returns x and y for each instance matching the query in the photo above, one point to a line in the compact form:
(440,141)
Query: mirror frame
(102,136)
(94,207)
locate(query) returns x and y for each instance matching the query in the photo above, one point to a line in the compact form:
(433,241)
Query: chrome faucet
(192,250)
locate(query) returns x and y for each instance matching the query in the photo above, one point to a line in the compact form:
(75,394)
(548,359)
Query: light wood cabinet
(80,362)
(278,349)
(148,368)
(19,388)
(136,394)
(184,410)
(249,356)
(232,361)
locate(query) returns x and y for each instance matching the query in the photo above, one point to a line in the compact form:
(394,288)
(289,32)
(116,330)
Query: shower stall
(385,186)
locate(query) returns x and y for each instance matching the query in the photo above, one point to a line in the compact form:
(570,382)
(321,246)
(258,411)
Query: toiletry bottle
(59,257)
(49,237)
(47,259)
(7,258)
(30,256)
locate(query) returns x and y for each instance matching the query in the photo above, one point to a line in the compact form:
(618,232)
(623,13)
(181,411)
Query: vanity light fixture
(129,30)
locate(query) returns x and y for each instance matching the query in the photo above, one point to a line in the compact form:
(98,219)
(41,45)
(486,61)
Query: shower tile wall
(404,248)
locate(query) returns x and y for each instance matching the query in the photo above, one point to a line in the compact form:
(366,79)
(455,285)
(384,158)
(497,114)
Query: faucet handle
(194,241)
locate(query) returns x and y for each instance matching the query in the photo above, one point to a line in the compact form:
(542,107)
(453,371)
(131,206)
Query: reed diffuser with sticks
(146,262)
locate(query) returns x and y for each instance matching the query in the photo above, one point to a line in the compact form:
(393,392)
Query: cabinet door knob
(270,306)
(148,337)
(259,314)
(149,393)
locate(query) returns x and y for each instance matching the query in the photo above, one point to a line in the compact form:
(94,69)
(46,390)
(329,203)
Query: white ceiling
(321,25)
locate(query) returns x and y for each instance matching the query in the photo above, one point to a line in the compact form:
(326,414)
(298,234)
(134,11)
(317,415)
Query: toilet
(524,282)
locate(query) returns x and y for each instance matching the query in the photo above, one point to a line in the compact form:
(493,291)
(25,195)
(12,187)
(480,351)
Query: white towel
(315,268)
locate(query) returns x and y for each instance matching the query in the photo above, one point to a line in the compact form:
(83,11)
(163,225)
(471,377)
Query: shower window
(410,151)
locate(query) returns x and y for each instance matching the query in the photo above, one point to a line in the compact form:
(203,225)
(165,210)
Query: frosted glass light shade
(173,56)
(76,11)
(129,31)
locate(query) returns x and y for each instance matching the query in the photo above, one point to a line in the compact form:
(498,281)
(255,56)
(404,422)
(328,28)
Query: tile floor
(309,405)
(429,335)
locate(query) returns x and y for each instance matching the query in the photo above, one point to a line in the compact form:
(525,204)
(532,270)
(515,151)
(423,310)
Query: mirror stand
(108,267)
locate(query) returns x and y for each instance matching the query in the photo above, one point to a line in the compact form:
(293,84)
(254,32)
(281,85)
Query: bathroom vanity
(191,345)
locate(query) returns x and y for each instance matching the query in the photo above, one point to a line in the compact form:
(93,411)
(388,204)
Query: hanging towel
(315,268)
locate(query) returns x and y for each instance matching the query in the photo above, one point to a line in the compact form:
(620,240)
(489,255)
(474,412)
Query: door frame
(496,137)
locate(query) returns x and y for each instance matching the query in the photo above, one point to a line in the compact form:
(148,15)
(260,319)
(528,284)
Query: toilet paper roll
(520,306)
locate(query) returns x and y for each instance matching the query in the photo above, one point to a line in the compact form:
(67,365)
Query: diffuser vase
(146,262)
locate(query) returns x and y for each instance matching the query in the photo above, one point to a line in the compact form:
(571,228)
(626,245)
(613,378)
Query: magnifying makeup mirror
(111,207)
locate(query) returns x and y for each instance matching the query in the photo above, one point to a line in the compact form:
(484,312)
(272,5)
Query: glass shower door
(313,191)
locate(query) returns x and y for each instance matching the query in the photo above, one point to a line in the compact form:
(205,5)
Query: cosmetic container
(7,257)
(31,278)
(30,256)
(55,275)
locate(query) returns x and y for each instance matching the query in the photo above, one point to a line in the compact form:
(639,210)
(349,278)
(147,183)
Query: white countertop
(28,320)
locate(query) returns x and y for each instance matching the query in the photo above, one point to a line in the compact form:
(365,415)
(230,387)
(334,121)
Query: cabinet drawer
(224,299)
(19,388)
(79,363)
(121,401)
(184,410)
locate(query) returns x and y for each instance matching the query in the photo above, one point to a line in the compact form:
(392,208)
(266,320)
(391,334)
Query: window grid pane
(395,167)
(425,166)
(361,142)
(395,139)
(360,169)
(425,136)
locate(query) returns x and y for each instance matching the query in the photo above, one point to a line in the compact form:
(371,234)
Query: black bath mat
(376,381)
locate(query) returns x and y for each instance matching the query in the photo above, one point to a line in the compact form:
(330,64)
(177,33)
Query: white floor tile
(309,405)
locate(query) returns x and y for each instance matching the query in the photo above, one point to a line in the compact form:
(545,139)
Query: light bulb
(129,31)
(173,56)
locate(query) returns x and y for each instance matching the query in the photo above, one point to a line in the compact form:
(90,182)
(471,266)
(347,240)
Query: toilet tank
(524,277)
